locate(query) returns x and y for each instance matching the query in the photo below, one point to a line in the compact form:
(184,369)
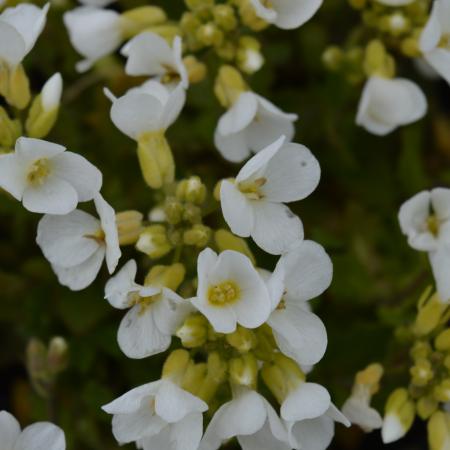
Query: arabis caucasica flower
(149,54)
(46,178)
(38,436)
(253,203)
(94,33)
(251,124)
(230,291)
(389,103)
(156,311)
(286,14)
(300,275)
(435,38)
(158,415)
(425,220)
(76,244)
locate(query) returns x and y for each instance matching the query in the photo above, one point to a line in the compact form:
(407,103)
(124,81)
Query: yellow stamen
(39,171)
(433,225)
(252,188)
(223,294)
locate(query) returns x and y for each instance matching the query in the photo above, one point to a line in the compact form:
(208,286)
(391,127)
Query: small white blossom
(150,54)
(19,29)
(38,436)
(156,312)
(286,14)
(251,124)
(158,415)
(435,39)
(94,33)
(46,178)
(76,244)
(253,204)
(250,418)
(51,92)
(389,103)
(230,291)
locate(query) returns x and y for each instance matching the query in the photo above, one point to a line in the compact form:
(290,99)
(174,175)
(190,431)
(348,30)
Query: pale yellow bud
(199,4)
(224,17)
(274,380)
(166,276)
(442,392)
(176,365)
(410,47)
(173,211)
(377,61)
(439,431)
(229,85)
(138,19)
(426,406)
(192,214)
(442,342)
(243,339)
(10,130)
(225,240)
(399,416)
(421,372)
(194,331)
(429,315)
(420,350)
(129,226)
(194,377)
(332,57)
(154,242)
(215,375)
(167,31)
(196,70)
(244,371)
(191,190)
(210,35)
(18,88)
(36,361)
(199,236)
(249,58)
(58,355)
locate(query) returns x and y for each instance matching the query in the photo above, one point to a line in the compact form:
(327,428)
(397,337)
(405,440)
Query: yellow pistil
(39,171)
(252,189)
(223,294)
(433,225)
(98,236)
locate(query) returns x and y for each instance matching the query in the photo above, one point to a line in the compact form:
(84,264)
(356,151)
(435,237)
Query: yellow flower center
(252,188)
(39,171)
(98,236)
(445,41)
(171,75)
(223,294)
(433,225)
(267,4)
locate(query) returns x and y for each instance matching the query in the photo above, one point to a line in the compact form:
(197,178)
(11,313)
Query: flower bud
(191,190)
(426,406)
(399,416)
(196,70)
(17,89)
(194,377)
(36,362)
(225,240)
(166,276)
(58,355)
(10,130)
(216,370)
(176,365)
(210,35)
(192,214)
(153,241)
(229,85)
(138,19)
(421,372)
(224,17)
(420,350)
(439,431)
(249,58)
(129,226)
(442,392)
(249,18)
(244,371)
(199,236)
(194,331)
(332,57)
(194,5)
(173,211)
(243,339)
(377,61)
(429,315)
(442,341)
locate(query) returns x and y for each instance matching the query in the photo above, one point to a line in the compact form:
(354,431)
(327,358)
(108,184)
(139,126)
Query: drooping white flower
(94,33)
(253,204)
(76,244)
(251,124)
(250,418)
(300,275)
(230,291)
(425,220)
(389,103)
(19,29)
(158,415)
(38,436)
(286,14)
(150,54)
(435,39)
(51,92)
(46,178)
(155,313)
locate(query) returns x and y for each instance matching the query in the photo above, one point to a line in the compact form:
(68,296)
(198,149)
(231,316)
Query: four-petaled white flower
(435,38)
(251,124)
(19,29)
(389,103)
(425,220)
(230,291)
(156,312)
(286,14)
(46,178)
(76,244)
(94,32)
(253,204)
(38,436)
(250,418)
(300,275)
(158,415)
(150,54)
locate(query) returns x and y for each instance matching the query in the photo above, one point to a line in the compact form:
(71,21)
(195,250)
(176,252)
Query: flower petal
(41,436)
(9,429)
(440,263)
(240,115)
(314,434)
(119,287)
(292,13)
(13,177)
(233,147)
(187,433)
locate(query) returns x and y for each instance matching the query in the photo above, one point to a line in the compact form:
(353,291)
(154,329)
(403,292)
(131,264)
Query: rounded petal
(41,436)
(234,147)
(292,13)
(173,107)
(170,312)
(29,150)
(119,287)
(314,434)
(51,92)
(187,433)
(13,177)
(12,45)
(9,430)
(240,114)
(440,264)
(361,414)
(431,34)
(223,320)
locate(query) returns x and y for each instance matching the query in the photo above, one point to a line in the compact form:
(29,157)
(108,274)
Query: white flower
(19,29)
(250,418)
(230,291)
(150,54)
(94,32)
(435,38)
(156,312)
(158,415)
(425,220)
(51,92)
(389,103)
(253,204)
(46,178)
(76,244)
(251,124)
(38,436)
(286,14)
(300,275)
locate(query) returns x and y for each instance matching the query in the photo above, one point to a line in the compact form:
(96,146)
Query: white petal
(223,319)
(30,150)
(240,115)
(12,45)
(51,92)
(292,13)
(334,413)
(13,176)
(173,107)
(263,12)
(9,430)
(361,414)
(314,434)
(440,199)
(41,436)
(171,311)
(440,263)
(119,287)
(233,147)
(439,60)
(206,261)
(392,429)
(431,34)
(275,283)
(187,433)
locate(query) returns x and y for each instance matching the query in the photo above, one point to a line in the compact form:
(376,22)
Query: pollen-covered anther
(252,188)
(224,293)
(39,171)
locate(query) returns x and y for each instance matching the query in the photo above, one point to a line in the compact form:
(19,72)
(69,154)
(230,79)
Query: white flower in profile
(425,220)
(286,14)
(46,178)
(94,33)
(19,29)
(251,124)
(230,291)
(76,244)
(300,275)
(158,415)
(435,39)
(389,103)
(150,54)
(38,436)
(250,418)
(253,204)
(155,313)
